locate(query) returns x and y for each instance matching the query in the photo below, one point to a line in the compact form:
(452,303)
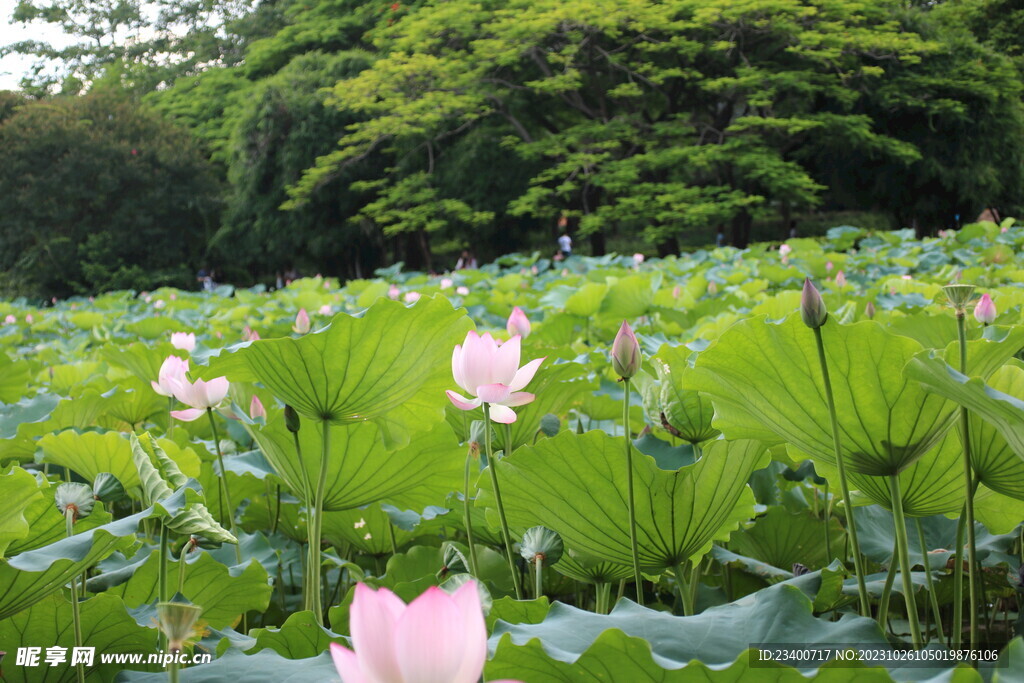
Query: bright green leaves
(765,382)
(360,469)
(671,404)
(18,491)
(576,485)
(390,366)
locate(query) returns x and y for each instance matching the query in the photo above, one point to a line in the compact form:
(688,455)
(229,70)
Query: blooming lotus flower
(411,297)
(840,279)
(625,352)
(446,282)
(518,323)
(200,395)
(326,310)
(829,266)
(249,334)
(393,292)
(638,259)
(437,638)
(10,319)
(256,409)
(29,319)
(302,324)
(172,368)
(785,250)
(462,291)
(159,304)
(985,311)
(491,374)
(186,341)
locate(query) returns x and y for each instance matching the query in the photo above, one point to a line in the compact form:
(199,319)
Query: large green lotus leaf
(932,485)
(361,470)
(366,529)
(133,402)
(89,453)
(628,297)
(769,373)
(18,491)
(300,637)
(263,667)
(575,485)
(783,538)
(1001,410)
(685,410)
(223,593)
(14,377)
(141,359)
(106,626)
(716,637)
(586,301)
(556,386)
(392,366)
(994,462)
(1000,514)
(586,570)
(47,524)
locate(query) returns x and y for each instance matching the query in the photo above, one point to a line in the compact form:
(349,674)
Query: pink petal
(518,398)
(429,640)
(477,354)
(492,393)
(457,365)
(216,390)
(373,619)
(461,402)
(188,415)
(347,664)
(182,390)
(506,361)
(467,599)
(525,374)
(502,414)
(159,389)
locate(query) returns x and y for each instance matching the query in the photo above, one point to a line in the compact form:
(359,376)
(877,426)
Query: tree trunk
(741,224)
(597,243)
(668,247)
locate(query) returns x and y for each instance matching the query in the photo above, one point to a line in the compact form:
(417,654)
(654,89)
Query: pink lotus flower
(249,334)
(256,409)
(491,374)
(302,324)
(159,304)
(676,291)
(534,269)
(437,638)
(172,368)
(186,341)
(840,279)
(638,259)
(625,352)
(200,395)
(10,319)
(712,288)
(393,292)
(446,282)
(411,297)
(518,323)
(462,291)
(173,296)
(985,311)
(29,319)
(326,310)
(829,266)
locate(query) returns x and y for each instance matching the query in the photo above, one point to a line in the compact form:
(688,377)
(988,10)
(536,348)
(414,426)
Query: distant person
(290,276)
(205,279)
(792,229)
(564,241)
(466,261)
(720,237)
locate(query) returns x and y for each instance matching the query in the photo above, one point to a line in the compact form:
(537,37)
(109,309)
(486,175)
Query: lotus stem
(934,599)
(538,586)
(904,552)
(465,502)
(637,577)
(162,579)
(492,465)
(851,524)
(182,564)
(172,673)
(170,418)
(76,616)
(224,486)
(316,526)
(969,489)
(958,583)
(828,518)
(603,595)
(695,575)
(307,498)
(890,579)
(391,535)
(684,589)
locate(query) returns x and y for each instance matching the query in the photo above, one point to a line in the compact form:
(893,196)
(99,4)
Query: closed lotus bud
(869,310)
(177,620)
(302,324)
(74,498)
(291,420)
(712,288)
(518,323)
(840,279)
(256,409)
(676,291)
(812,306)
(985,311)
(625,352)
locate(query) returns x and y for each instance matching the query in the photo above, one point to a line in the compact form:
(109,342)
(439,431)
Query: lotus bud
(411,297)
(985,311)
(393,292)
(518,323)
(10,319)
(829,266)
(712,288)
(840,279)
(812,306)
(29,319)
(256,409)
(625,352)
(75,498)
(869,310)
(638,259)
(186,341)
(959,297)
(446,282)
(785,250)
(177,621)
(291,420)
(326,310)
(302,324)
(462,291)
(676,291)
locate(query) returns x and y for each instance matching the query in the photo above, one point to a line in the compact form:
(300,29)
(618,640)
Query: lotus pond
(607,469)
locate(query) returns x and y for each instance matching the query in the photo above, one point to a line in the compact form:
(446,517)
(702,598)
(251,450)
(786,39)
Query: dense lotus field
(296,483)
